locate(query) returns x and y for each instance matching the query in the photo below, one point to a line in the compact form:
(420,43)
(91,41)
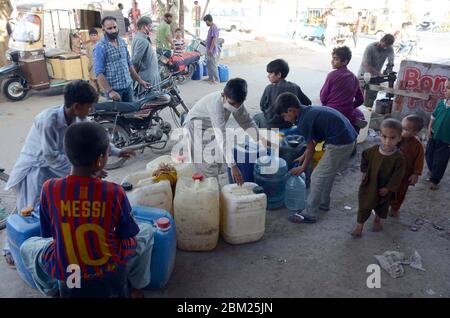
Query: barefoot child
(413,151)
(383,167)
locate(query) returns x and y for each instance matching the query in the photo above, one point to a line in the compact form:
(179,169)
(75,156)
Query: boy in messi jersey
(87,221)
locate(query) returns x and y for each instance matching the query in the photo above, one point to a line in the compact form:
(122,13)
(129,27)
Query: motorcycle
(185,63)
(138,125)
(181,64)
(427,26)
(408,49)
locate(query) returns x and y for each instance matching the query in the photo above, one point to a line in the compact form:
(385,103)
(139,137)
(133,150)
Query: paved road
(291,260)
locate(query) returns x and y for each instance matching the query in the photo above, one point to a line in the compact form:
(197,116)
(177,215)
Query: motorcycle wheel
(14,90)
(119,137)
(7,200)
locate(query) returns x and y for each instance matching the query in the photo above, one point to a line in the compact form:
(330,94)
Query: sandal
(299,218)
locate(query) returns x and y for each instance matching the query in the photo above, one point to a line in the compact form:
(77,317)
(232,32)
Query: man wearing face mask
(213,111)
(373,60)
(144,57)
(42,156)
(112,64)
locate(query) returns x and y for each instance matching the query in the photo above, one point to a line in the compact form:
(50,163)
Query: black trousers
(437,156)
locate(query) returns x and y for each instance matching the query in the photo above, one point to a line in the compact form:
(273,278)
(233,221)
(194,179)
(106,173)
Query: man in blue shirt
(317,124)
(112,64)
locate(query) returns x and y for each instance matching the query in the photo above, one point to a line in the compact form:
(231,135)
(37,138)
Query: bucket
(383,106)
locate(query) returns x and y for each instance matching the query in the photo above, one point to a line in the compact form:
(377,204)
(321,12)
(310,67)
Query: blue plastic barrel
(292,147)
(245,156)
(165,244)
(271,174)
(295,195)
(205,68)
(19,229)
(198,73)
(223,73)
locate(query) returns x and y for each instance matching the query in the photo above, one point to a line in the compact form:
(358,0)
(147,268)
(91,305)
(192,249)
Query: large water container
(245,156)
(367,116)
(165,244)
(153,165)
(243,213)
(205,68)
(196,213)
(19,229)
(198,73)
(289,131)
(292,147)
(156,195)
(183,169)
(223,73)
(295,195)
(134,178)
(271,174)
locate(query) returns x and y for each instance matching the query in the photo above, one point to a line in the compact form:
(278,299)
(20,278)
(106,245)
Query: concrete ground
(291,260)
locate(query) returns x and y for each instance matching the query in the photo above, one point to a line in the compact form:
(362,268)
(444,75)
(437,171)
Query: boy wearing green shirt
(437,153)
(164,35)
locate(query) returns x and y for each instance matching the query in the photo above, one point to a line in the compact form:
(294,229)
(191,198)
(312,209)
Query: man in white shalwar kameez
(212,113)
(42,156)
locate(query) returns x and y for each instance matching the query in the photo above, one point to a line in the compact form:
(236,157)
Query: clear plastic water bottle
(295,193)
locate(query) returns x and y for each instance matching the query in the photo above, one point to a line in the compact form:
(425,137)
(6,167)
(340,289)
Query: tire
(11,87)
(436,29)
(119,137)
(7,200)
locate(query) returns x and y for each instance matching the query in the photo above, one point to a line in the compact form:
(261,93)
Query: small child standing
(383,167)
(93,39)
(438,147)
(178,42)
(413,151)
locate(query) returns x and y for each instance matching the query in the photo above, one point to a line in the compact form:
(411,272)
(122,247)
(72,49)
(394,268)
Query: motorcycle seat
(155,101)
(130,107)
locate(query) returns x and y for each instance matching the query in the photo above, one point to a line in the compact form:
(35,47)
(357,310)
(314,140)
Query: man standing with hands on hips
(212,49)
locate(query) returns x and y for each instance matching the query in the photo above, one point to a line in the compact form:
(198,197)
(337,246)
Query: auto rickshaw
(41,45)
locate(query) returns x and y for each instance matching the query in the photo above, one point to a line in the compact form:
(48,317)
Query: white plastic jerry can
(156,195)
(153,165)
(363,132)
(183,169)
(243,213)
(134,178)
(196,213)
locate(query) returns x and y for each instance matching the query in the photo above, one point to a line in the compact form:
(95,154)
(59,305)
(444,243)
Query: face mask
(112,36)
(229,107)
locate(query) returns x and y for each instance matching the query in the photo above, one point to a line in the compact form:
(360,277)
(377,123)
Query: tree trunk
(204,10)
(181,16)
(5,12)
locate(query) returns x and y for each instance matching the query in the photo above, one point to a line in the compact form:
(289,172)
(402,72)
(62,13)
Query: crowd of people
(64,156)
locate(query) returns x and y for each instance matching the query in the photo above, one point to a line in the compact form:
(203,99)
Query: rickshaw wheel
(14,90)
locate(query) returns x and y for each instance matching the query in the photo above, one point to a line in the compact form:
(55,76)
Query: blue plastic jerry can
(165,244)
(223,73)
(198,73)
(19,229)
